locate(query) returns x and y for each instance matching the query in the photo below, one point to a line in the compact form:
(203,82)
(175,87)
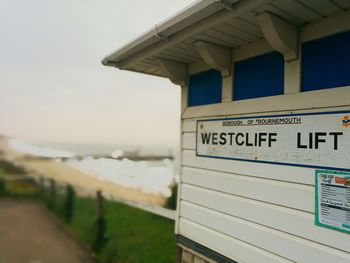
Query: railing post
(41,185)
(2,187)
(52,194)
(69,203)
(100,227)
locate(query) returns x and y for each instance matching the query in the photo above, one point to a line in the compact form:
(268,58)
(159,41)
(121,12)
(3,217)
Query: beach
(62,172)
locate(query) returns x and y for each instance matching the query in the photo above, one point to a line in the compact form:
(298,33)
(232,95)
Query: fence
(161,211)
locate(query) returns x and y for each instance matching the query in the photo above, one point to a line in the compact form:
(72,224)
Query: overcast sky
(53,86)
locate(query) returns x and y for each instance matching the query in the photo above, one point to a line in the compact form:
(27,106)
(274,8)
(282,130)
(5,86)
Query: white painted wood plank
(324,7)
(246,26)
(286,194)
(179,55)
(297,9)
(324,27)
(227,246)
(288,220)
(188,125)
(278,172)
(336,97)
(222,35)
(188,45)
(282,244)
(291,18)
(176,57)
(236,32)
(185,51)
(219,39)
(249,17)
(188,142)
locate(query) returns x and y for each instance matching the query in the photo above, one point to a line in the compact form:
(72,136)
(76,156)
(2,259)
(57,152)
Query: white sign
(319,140)
(333,200)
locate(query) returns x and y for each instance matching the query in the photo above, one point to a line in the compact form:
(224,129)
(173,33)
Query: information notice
(318,140)
(333,200)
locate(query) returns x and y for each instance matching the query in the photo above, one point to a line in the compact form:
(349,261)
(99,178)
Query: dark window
(326,62)
(204,88)
(259,76)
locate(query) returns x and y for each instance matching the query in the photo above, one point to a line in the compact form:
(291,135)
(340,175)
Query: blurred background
(88,154)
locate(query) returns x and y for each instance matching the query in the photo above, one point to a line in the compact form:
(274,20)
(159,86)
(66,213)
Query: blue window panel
(259,76)
(326,62)
(204,88)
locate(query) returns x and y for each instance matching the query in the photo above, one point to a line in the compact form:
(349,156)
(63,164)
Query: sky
(53,86)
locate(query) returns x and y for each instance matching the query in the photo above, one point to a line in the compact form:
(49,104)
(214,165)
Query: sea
(96,160)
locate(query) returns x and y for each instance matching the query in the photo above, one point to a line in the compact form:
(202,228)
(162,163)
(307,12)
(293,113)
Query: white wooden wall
(252,212)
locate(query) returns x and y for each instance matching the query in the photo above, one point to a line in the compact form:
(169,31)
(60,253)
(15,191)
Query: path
(28,234)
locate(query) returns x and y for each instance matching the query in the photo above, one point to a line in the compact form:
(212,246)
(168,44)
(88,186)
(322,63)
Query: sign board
(332,199)
(319,140)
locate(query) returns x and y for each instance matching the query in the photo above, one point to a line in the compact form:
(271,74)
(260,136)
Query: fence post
(99,204)
(52,194)
(2,187)
(69,203)
(100,227)
(41,184)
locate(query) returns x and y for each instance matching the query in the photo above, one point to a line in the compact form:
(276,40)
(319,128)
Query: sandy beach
(63,173)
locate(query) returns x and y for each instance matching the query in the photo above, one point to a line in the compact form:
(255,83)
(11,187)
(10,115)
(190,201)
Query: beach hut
(265,127)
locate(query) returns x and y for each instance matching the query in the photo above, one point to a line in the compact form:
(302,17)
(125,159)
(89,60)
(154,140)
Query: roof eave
(161,31)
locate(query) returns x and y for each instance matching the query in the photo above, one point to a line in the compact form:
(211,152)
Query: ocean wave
(145,176)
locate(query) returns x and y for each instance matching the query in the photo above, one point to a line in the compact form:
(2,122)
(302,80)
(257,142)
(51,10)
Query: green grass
(133,235)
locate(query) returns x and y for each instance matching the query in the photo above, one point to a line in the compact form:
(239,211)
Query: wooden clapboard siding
(188,125)
(189,141)
(288,220)
(285,245)
(282,193)
(226,245)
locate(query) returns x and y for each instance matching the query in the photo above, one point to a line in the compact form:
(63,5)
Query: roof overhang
(205,30)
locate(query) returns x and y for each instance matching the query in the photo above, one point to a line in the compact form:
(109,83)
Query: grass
(133,235)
